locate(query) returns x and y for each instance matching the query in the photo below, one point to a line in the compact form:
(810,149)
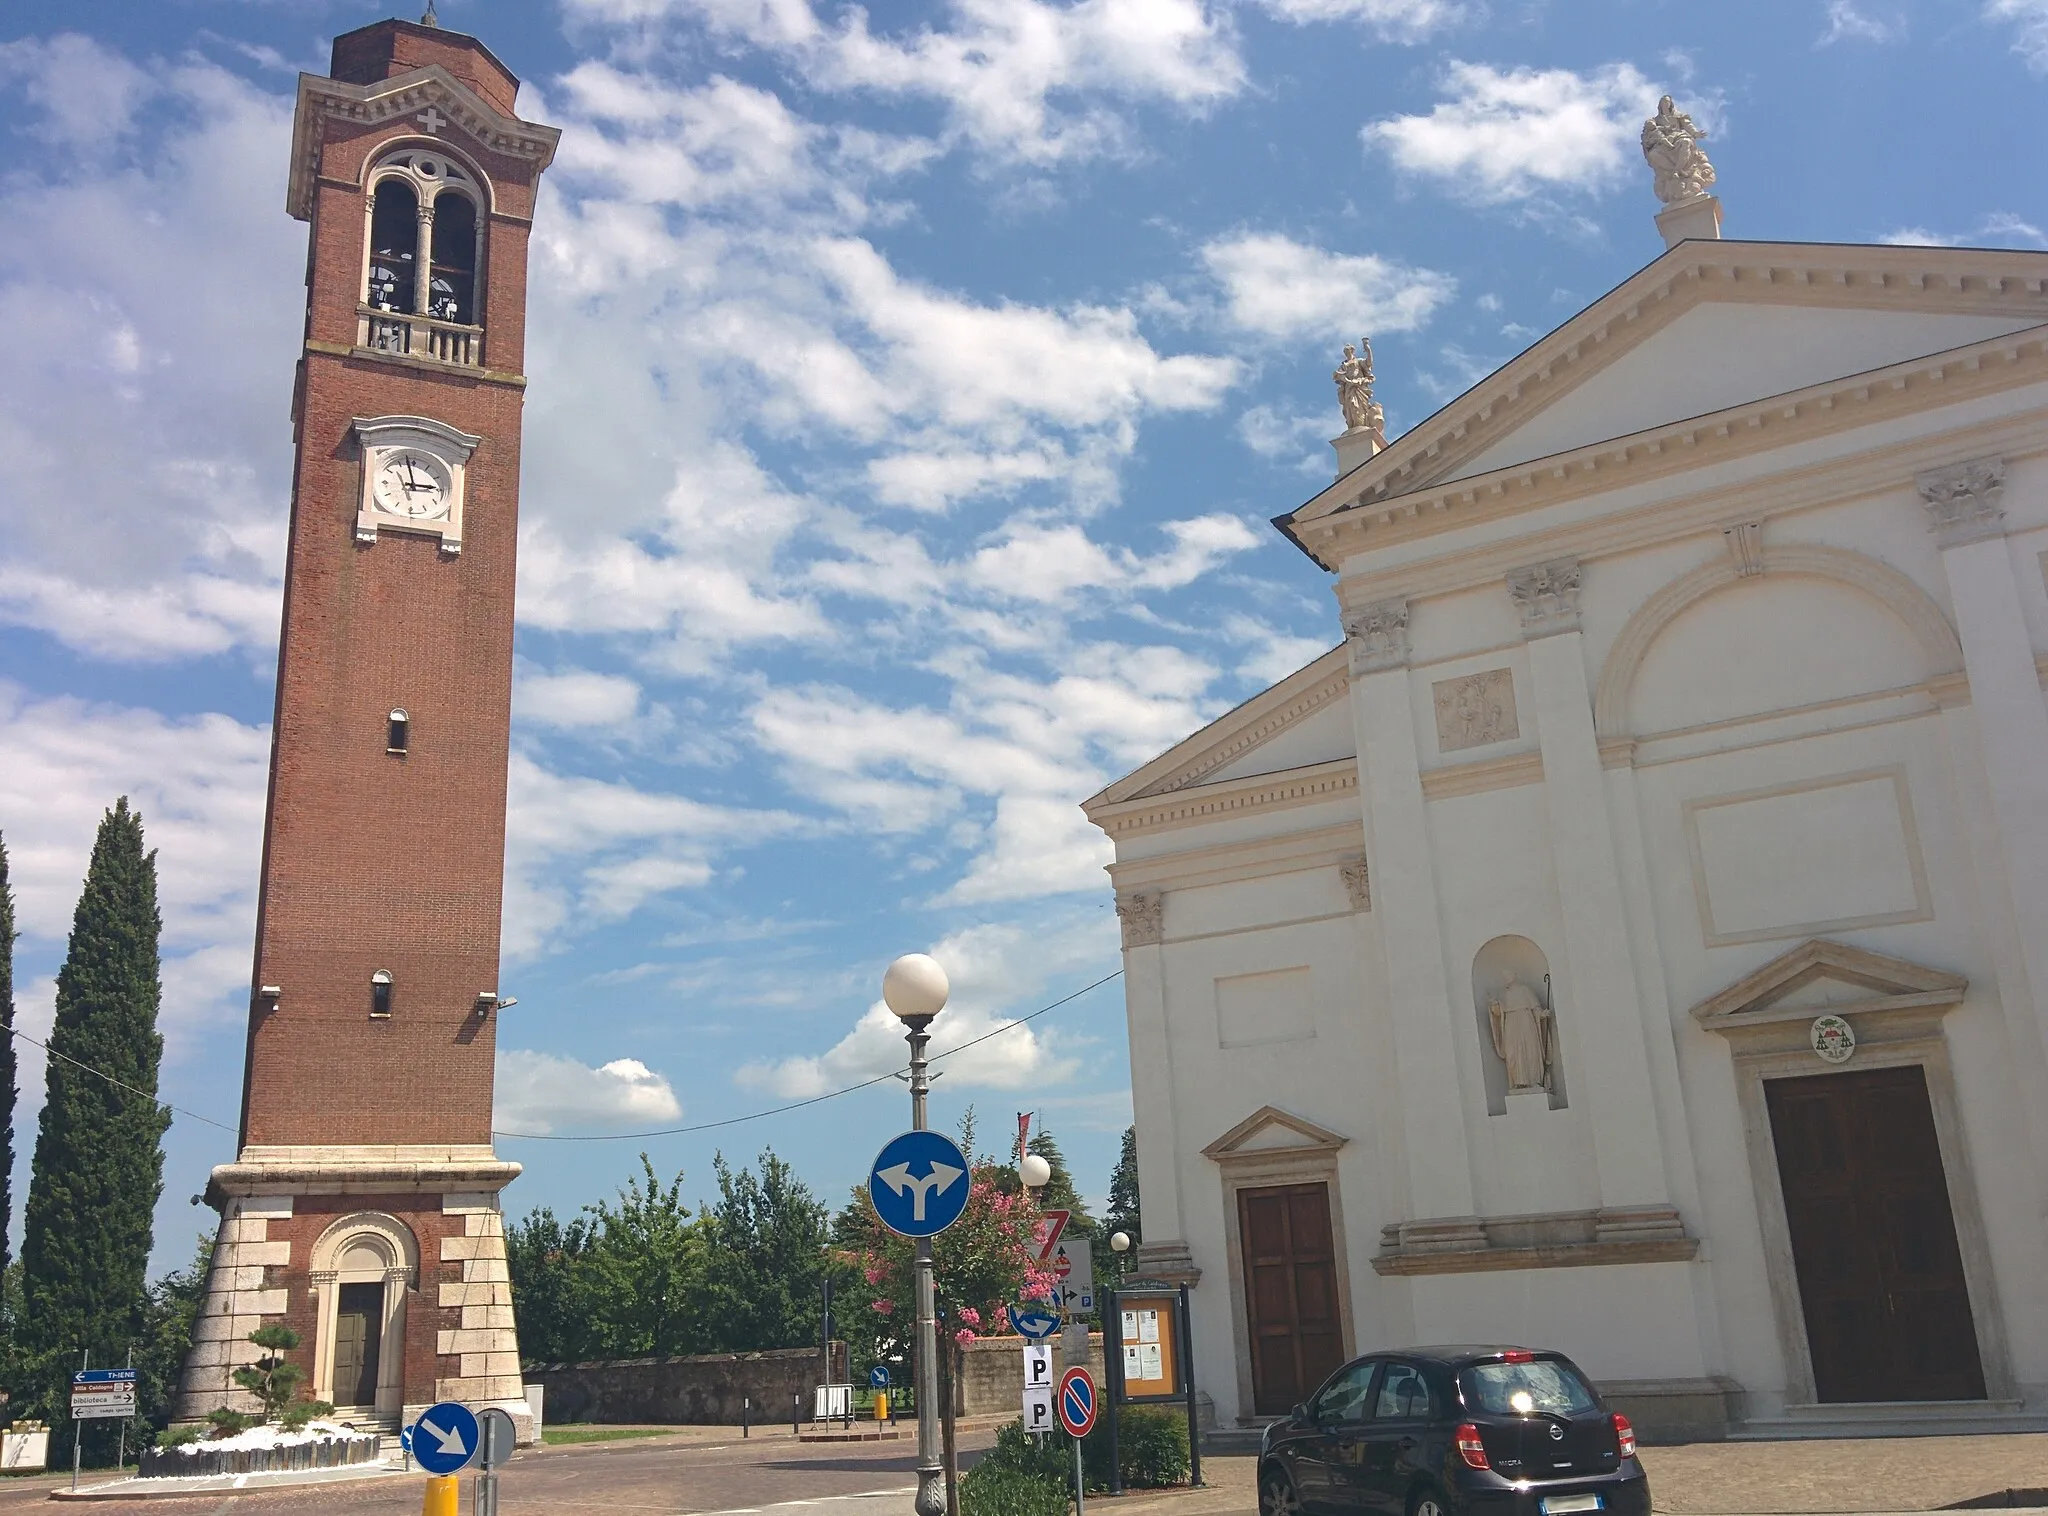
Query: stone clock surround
(378,437)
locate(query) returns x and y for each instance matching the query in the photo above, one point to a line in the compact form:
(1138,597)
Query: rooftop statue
(1354,392)
(1671,146)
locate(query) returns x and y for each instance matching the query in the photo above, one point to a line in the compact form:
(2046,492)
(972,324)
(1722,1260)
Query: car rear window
(1523,1389)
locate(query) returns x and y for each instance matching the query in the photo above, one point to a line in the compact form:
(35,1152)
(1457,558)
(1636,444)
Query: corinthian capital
(1962,501)
(1378,634)
(1546,597)
(1143,914)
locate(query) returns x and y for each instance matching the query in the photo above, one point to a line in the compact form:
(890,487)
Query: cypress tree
(98,1167)
(6,1060)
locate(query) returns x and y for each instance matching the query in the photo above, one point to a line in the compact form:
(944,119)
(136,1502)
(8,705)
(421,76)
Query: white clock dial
(407,482)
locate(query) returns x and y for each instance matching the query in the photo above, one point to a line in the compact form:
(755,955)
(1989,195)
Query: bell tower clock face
(412,484)
(414,478)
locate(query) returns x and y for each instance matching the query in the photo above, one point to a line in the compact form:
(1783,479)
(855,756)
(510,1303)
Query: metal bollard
(746,1416)
(796,1412)
(443,1496)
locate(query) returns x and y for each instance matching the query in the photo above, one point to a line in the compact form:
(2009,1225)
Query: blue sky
(910,391)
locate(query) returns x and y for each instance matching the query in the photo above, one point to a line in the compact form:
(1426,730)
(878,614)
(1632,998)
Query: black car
(1447,1431)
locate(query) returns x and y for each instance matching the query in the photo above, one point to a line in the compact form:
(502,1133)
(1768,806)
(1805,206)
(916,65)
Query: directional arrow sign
(444,1438)
(1033,1325)
(918,1185)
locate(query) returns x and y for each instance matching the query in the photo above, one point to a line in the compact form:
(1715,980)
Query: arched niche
(1501,960)
(1910,620)
(366,1256)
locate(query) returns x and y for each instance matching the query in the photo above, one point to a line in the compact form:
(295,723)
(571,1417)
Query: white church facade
(1633,937)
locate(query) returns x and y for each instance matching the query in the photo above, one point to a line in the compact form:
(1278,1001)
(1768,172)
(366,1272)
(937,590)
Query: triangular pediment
(1301,721)
(1707,327)
(1272,1130)
(1819,977)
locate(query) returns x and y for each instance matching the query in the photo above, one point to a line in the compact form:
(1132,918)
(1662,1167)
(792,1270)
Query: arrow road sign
(878,1377)
(1038,1366)
(444,1439)
(1033,1325)
(918,1185)
(1076,1402)
(1047,1231)
(1038,1409)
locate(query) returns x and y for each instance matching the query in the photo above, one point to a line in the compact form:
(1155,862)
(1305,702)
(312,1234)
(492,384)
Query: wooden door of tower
(1873,1238)
(358,1336)
(1290,1288)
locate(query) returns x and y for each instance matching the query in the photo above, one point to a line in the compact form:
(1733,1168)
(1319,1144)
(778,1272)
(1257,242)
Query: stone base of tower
(389,1262)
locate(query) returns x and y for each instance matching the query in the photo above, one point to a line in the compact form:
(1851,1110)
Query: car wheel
(1427,1503)
(1277,1497)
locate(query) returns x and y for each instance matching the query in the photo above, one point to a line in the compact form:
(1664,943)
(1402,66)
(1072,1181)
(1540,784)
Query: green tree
(98,1168)
(646,1270)
(1123,1208)
(551,1284)
(7,1065)
(168,1316)
(765,1263)
(1059,1193)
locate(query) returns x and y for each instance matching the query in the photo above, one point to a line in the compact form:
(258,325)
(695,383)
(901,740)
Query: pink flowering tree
(981,1263)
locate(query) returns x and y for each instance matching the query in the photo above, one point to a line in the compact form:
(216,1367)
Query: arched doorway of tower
(362,1266)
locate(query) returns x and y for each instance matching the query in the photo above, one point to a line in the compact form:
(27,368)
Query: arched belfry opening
(451,287)
(421,286)
(394,246)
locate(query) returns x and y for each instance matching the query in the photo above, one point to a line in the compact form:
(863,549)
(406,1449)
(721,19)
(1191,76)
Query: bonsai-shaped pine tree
(274,1381)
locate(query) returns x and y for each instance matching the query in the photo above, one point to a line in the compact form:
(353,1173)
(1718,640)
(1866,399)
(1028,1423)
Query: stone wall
(703,1390)
(992,1374)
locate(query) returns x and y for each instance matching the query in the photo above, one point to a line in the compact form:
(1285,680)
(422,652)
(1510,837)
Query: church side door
(1290,1286)
(1873,1239)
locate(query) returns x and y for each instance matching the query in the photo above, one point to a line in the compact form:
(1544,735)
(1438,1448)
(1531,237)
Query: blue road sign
(1033,1326)
(444,1438)
(104,1376)
(918,1185)
(878,1377)
(1076,1402)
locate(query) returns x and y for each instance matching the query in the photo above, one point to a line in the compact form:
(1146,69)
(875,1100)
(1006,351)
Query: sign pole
(1113,1376)
(1079,1497)
(84,1363)
(121,1457)
(1187,1359)
(931,1468)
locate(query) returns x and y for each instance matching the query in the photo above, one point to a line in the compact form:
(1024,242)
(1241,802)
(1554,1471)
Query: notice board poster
(1150,1338)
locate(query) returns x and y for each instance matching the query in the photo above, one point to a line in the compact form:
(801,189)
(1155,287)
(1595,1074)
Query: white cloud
(1271,435)
(199,786)
(1049,563)
(581,850)
(1504,136)
(1848,24)
(574,698)
(1270,654)
(544,1093)
(1998,228)
(1398,20)
(2029,20)
(1292,291)
(144,514)
(996,972)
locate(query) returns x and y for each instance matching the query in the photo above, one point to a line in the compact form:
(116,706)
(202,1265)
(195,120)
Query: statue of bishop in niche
(1522,1031)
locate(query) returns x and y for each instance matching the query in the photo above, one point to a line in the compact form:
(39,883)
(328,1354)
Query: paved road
(657,1477)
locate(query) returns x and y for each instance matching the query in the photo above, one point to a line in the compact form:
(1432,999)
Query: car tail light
(1518,1355)
(1623,1434)
(1473,1450)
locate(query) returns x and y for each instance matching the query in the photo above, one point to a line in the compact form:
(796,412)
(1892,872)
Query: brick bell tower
(362,1209)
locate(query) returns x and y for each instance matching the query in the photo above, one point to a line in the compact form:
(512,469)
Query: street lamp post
(915,988)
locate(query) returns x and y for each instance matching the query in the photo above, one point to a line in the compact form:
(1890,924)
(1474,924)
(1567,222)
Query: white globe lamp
(1035,1171)
(915,988)
(1120,1242)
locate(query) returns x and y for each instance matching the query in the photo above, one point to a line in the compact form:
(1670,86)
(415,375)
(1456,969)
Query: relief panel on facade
(1475,710)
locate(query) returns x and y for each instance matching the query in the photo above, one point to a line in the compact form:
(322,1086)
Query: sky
(910,391)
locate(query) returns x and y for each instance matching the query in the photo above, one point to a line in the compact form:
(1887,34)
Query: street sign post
(100,1393)
(1032,1324)
(445,1438)
(878,1377)
(495,1437)
(1073,1263)
(918,1184)
(1076,1404)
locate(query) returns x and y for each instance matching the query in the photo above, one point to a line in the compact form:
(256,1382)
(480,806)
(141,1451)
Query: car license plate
(1559,1505)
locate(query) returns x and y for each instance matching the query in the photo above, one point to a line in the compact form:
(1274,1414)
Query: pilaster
(1967,518)
(1420,1008)
(1142,916)
(1598,1012)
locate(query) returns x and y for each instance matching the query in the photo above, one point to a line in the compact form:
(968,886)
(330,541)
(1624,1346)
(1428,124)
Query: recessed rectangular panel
(1255,1009)
(1800,859)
